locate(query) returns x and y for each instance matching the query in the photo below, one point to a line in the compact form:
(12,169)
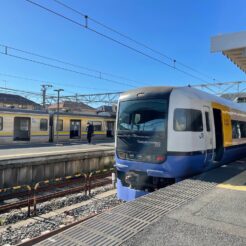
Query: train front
(141,141)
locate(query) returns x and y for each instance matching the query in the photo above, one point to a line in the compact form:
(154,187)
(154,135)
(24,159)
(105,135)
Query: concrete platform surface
(209,209)
(216,218)
(40,150)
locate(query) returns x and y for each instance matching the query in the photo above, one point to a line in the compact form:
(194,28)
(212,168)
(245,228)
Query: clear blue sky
(179,28)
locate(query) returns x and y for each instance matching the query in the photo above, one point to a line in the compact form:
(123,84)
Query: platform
(209,209)
(27,165)
(20,151)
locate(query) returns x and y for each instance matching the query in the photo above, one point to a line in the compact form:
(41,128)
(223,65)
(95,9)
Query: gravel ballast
(13,235)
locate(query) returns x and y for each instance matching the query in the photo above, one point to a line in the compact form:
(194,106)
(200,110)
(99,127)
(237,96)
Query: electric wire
(100,73)
(63,68)
(133,40)
(114,40)
(89,98)
(51,82)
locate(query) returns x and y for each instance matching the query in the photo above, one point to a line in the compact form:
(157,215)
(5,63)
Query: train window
(97,125)
(43,124)
(24,124)
(60,125)
(243,129)
(207,121)
(148,115)
(1,123)
(187,120)
(236,133)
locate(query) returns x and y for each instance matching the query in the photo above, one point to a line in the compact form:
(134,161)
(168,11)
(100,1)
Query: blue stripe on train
(178,167)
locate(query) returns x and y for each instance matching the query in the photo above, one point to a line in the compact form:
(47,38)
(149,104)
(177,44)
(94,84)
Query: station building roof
(233,46)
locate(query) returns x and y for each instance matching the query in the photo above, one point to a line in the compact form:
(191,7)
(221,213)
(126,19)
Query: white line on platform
(53,152)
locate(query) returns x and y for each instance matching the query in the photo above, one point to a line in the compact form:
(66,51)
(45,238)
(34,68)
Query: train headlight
(122,155)
(131,178)
(160,158)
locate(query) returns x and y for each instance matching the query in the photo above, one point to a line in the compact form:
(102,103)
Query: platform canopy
(233,46)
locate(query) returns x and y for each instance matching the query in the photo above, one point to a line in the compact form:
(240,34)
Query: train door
(51,128)
(219,148)
(110,128)
(22,129)
(75,129)
(208,134)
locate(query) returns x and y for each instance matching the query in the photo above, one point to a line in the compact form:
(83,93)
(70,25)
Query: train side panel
(23,127)
(74,127)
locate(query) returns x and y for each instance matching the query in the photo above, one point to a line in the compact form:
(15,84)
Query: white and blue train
(165,134)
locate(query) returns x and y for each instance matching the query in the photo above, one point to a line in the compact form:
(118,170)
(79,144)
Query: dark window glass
(243,129)
(236,133)
(241,100)
(43,125)
(143,115)
(238,129)
(1,123)
(207,121)
(188,120)
(24,124)
(97,125)
(60,125)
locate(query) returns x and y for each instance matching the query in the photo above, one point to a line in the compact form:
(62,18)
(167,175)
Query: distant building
(75,107)
(16,101)
(106,110)
(236,97)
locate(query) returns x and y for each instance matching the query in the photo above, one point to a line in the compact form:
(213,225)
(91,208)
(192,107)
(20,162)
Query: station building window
(188,120)
(97,125)
(43,125)
(1,123)
(60,125)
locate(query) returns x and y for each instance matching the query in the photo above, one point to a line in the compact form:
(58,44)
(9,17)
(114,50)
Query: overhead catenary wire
(115,40)
(50,82)
(100,73)
(175,61)
(61,68)
(22,91)
(87,98)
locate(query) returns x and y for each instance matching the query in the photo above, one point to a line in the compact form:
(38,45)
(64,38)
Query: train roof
(17,110)
(147,92)
(43,112)
(198,94)
(159,91)
(81,114)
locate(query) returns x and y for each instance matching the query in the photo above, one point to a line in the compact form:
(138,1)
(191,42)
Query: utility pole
(44,89)
(57,114)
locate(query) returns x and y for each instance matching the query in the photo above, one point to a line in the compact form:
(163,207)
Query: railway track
(52,219)
(48,234)
(30,196)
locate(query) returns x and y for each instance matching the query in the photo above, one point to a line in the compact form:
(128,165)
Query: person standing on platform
(90,131)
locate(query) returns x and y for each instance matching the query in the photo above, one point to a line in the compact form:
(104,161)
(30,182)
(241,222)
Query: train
(34,126)
(166,134)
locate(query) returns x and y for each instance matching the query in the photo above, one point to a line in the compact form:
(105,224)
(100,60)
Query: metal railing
(88,182)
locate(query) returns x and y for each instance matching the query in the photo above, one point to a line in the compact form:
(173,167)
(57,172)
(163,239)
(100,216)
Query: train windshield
(143,115)
(142,126)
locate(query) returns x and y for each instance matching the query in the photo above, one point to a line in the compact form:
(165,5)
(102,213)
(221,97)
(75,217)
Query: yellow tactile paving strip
(232,187)
(237,182)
